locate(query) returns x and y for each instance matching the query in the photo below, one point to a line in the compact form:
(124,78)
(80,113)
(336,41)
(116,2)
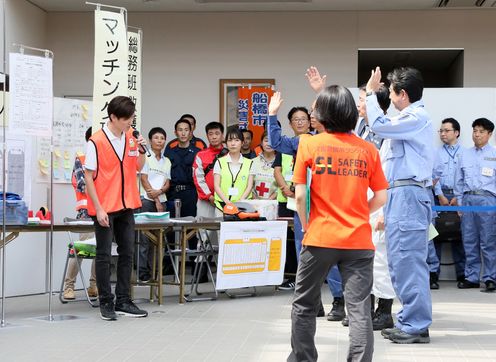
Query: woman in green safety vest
(233,177)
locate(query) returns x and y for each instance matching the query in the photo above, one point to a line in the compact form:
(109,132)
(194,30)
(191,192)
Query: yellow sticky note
(57,153)
(79,153)
(44,171)
(85,116)
(84,107)
(43,163)
(67,155)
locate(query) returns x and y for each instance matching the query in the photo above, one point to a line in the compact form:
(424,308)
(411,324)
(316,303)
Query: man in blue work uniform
(445,165)
(475,185)
(408,208)
(182,186)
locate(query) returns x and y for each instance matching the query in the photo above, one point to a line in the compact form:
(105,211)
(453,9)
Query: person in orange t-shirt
(343,167)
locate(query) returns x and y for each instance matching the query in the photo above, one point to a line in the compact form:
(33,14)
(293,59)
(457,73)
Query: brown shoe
(69,294)
(92,292)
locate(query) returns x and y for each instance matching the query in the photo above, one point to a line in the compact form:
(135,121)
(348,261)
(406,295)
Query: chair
(73,253)
(205,250)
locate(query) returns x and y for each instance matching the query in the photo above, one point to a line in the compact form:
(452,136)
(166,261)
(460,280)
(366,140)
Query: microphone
(143,147)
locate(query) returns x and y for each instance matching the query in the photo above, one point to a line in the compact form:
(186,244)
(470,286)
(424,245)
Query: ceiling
(262,5)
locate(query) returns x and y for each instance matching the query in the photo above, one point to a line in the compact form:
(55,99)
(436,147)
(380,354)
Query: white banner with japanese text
(110,69)
(134,74)
(251,253)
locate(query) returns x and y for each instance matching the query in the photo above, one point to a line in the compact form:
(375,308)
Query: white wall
(26,256)
(185,54)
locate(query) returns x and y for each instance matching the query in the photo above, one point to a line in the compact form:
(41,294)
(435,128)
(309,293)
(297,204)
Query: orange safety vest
(115,180)
(81,198)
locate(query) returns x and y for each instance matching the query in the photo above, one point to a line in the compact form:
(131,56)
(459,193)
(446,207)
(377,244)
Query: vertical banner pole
(4,163)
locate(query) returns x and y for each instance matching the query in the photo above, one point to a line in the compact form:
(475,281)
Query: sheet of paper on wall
(31,95)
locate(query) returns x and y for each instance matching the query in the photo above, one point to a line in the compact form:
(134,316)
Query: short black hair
(298,109)
(264,134)
(383,99)
(214,125)
(234,132)
(187,115)
(454,123)
(247,130)
(182,120)
(382,95)
(336,109)
(410,80)
(484,123)
(121,107)
(155,130)
(87,134)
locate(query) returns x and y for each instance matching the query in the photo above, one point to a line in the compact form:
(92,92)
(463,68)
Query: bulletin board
(71,119)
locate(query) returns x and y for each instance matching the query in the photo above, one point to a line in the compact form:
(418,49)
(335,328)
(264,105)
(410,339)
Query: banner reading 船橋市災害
(111,63)
(253,110)
(134,73)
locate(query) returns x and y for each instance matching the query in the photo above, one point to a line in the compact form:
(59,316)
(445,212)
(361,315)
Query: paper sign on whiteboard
(251,253)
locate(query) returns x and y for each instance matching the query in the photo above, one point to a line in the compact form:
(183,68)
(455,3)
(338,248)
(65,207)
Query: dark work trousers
(122,230)
(356,272)
(145,245)
(291,260)
(457,251)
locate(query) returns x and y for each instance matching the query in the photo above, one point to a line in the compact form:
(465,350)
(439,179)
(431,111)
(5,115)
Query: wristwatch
(369,93)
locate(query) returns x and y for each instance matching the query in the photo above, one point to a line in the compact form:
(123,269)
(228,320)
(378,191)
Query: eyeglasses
(299,120)
(441,131)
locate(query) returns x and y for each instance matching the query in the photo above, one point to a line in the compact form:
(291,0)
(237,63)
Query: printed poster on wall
(111,63)
(134,74)
(251,253)
(31,95)
(253,110)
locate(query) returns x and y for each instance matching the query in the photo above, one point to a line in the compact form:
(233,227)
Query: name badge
(489,158)
(133,153)
(233,191)
(486,171)
(288,176)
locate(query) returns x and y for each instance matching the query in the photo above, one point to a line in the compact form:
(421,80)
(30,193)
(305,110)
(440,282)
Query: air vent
(466,4)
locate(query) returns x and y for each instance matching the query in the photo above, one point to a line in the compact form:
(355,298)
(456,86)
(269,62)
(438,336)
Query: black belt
(479,192)
(409,182)
(178,188)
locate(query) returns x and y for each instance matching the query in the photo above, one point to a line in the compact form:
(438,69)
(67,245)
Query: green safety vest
(287,170)
(240,180)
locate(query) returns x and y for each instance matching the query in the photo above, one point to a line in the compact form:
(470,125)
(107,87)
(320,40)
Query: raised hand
(275,103)
(316,82)
(374,82)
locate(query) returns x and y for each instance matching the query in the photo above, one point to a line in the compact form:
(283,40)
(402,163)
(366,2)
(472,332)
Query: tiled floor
(242,329)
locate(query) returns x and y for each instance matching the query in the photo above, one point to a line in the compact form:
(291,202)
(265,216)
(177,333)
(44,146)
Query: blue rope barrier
(465,208)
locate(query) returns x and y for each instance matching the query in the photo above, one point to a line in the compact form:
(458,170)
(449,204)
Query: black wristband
(142,152)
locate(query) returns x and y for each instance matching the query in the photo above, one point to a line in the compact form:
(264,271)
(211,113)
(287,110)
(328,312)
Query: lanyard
(449,153)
